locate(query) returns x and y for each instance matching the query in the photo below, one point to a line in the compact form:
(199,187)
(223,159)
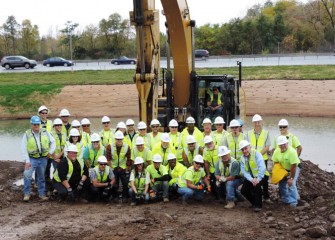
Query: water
(315,134)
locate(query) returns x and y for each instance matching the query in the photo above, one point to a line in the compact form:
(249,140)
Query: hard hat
(118,135)
(102,159)
(222,151)
(173,123)
(206,120)
(105,119)
(57,121)
(72,148)
(75,123)
(130,122)
(165,137)
(281,140)
(171,156)
(95,137)
(41,108)
(208,139)
(256,118)
(190,120)
(141,125)
(121,125)
(219,120)
(64,113)
(243,144)
(85,121)
(198,158)
(190,139)
(157,158)
(278,173)
(74,132)
(283,122)
(240,122)
(139,141)
(138,160)
(35,120)
(234,123)
(155,122)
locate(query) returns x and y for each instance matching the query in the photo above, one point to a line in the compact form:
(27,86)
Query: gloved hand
(209,189)
(223,179)
(200,187)
(80,185)
(70,194)
(218,183)
(153,180)
(105,192)
(138,196)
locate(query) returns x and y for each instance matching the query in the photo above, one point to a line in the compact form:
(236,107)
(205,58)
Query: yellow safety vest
(176,172)
(182,182)
(139,181)
(234,146)
(154,140)
(94,157)
(258,144)
(191,155)
(176,142)
(70,171)
(146,140)
(228,170)
(85,138)
(158,149)
(103,178)
(252,163)
(106,137)
(219,137)
(119,160)
(48,125)
(196,133)
(211,156)
(211,96)
(32,146)
(59,143)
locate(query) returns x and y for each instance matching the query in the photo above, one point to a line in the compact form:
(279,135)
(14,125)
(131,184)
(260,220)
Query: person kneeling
(139,183)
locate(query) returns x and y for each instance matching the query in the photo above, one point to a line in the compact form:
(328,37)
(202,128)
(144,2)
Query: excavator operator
(214,103)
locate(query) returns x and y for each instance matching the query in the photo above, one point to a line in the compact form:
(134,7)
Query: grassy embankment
(20,91)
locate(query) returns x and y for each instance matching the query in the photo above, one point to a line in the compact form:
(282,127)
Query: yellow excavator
(181,92)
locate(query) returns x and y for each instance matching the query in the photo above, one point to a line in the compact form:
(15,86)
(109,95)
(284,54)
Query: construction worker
(293,140)
(155,135)
(86,131)
(253,169)
(193,181)
(159,178)
(71,176)
(118,155)
(103,179)
(191,130)
(207,125)
(233,139)
(43,112)
(76,124)
(106,133)
(191,150)
(60,139)
(175,170)
(228,177)
(211,158)
(139,150)
(130,133)
(176,140)
(220,134)
(259,140)
(139,182)
(288,158)
(93,151)
(241,124)
(64,114)
(74,139)
(121,126)
(142,132)
(214,103)
(163,148)
(37,146)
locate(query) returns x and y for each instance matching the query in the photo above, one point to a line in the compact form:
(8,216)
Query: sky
(52,15)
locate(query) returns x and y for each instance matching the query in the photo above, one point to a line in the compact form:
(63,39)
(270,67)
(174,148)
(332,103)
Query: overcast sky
(51,15)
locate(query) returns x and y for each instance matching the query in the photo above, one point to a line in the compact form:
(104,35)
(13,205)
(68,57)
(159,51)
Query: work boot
(43,198)
(230,205)
(165,200)
(26,198)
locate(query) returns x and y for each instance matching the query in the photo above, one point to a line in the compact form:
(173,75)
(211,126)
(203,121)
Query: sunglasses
(58,125)
(36,124)
(106,123)
(64,116)
(155,126)
(141,129)
(282,127)
(173,127)
(197,163)
(190,143)
(43,113)
(85,125)
(76,127)
(102,164)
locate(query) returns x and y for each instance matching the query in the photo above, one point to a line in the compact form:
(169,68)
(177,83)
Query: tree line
(286,26)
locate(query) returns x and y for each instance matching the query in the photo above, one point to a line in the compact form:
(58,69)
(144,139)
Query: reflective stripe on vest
(70,170)
(138,153)
(258,144)
(104,178)
(219,137)
(214,158)
(234,147)
(211,95)
(176,140)
(106,137)
(94,157)
(139,181)
(32,146)
(59,143)
(119,160)
(251,163)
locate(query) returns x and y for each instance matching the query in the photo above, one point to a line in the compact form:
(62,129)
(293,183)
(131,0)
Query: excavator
(181,92)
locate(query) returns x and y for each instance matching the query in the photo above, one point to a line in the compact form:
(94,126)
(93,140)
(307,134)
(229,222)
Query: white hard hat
(85,121)
(139,141)
(281,140)
(208,139)
(222,151)
(121,125)
(72,148)
(243,144)
(95,137)
(190,139)
(75,123)
(138,160)
(219,120)
(165,137)
(198,158)
(57,121)
(190,120)
(171,156)
(74,132)
(105,119)
(130,122)
(155,122)
(173,123)
(102,159)
(141,125)
(157,158)
(119,135)
(206,120)
(256,118)
(41,108)
(234,123)
(64,113)
(283,122)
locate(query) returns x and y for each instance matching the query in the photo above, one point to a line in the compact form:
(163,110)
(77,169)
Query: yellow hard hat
(278,173)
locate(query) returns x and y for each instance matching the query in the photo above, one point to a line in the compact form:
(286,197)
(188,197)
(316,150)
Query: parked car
(201,53)
(57,61)
(123,60)
(11,62)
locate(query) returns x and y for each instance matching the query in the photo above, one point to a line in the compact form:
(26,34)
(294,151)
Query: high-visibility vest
(252,163)
(146,140)
(176,142)
(190,155)
(79,147)
(211,156)
(211,96)
(60,143)
(219,137)
(154,140)
(158,149)
(85,138)
(197,134)
(234,146)
(176,172)
(94,157)
(119,160)
(70,171)
(104,177)
(227,173)
(182,182)
(48,125)
(258,144)
(106,137)
(32,146)
(139,181)
(143,154)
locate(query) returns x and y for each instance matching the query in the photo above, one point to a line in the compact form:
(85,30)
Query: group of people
(141,165)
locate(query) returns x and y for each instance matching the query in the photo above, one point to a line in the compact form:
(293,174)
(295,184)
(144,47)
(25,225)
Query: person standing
(233,139)
(142,132)
(43,112)
(130,133)
(220,134)
(154,135)
(86,132)
(191,150)
(191,129)
(164,148)
(176,140)
(64,115)
(106,133)
(139,150)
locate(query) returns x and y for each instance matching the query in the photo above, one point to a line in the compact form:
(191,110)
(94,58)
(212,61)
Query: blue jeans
(188,193)
(161,186)
(290,194)
(231,189)
(39,165)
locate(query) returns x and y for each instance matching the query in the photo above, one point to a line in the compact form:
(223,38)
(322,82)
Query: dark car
(57,61)
(123,60)
(11,62)
(201,53)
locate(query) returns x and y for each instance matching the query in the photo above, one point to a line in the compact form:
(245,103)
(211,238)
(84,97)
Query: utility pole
(70,27)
